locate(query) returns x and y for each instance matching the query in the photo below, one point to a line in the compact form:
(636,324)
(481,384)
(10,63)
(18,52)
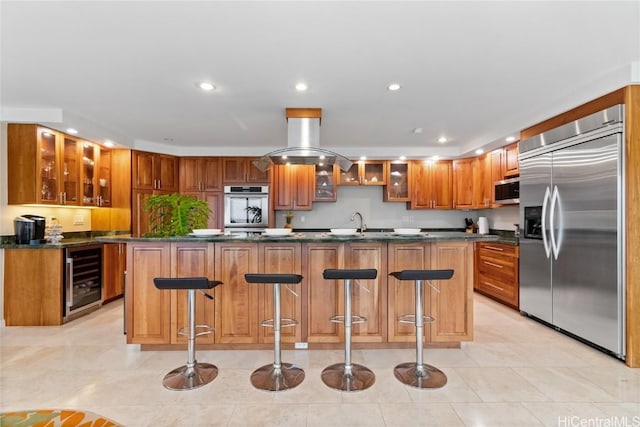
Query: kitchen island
(154,317)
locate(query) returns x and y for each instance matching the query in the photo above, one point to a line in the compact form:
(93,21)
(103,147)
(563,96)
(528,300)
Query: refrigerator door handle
(545,241)
(556,241)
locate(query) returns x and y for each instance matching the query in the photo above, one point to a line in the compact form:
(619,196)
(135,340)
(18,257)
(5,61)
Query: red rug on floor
(55,418)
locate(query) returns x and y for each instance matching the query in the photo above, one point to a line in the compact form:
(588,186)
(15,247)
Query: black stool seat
(185,283)
(273,278)
(345,274)
(422,274)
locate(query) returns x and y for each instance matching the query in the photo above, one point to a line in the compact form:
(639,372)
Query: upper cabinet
(293,187)
(50,167)
(431,183)
(463,182)
(200,174)
(325,183)
(397,188)
(151,171)
(240,170)
(364,172)
(511,163)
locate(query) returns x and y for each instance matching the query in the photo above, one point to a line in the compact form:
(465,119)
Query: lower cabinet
(497,272)
(154,316)
(114,261)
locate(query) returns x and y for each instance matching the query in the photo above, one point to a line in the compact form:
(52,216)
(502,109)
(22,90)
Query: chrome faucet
(363,226)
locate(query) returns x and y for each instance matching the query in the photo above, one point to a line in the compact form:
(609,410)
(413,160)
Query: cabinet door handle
(492,264)
(492,285)
(60,197)
(494,248)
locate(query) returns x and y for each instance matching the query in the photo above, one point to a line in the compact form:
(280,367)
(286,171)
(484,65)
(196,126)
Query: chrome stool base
(338,377)
(428,377)
(184,378)
(269,378)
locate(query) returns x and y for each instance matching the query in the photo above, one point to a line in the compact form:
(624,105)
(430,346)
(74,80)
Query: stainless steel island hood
(303,143)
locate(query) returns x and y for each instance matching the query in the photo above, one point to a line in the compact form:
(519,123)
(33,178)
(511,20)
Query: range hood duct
(303,143)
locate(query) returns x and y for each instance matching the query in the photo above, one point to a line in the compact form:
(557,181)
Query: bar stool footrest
(284,323)
(355,318)
(411,318)
(206,330)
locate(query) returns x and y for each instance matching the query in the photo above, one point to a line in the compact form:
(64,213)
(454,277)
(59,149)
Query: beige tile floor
(515,373)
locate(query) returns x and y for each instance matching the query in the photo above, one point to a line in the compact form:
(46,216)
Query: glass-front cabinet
(48,166)
(70,173)
(364,172)
(397,183)
(325,185)
(59,168)
(103,197)
(88,173)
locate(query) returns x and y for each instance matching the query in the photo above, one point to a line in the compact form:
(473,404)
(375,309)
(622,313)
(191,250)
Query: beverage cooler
(83,280)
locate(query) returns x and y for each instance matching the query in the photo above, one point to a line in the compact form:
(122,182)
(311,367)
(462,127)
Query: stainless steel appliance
(29,229)
(246,208)
(571,208)
(83,280)
(507,191)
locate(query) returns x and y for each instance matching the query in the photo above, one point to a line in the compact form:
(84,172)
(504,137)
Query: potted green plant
(175,214)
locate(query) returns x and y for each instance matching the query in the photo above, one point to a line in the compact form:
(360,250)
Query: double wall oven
(246,208)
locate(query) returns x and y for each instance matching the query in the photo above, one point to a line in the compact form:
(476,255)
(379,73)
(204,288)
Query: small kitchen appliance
(29,229)
(483,225)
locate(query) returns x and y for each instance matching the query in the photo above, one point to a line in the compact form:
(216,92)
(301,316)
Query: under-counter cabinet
(241,170)
(497,272)
(114,262)
(293,187)
(431,182)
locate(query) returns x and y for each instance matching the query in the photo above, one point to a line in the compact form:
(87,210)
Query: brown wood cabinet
(482,183)
(463,180)
(148,315)
(432,185)
(397,187)
(324,297)
(153,171)
(365,172)
(114,262)
(192,260)
(237,301)
(240,170)
(200,174)
(293,187)
(285,258)
(496,272)
(511,163)
(326,183)
(33,296)
(215,201)
(118,190)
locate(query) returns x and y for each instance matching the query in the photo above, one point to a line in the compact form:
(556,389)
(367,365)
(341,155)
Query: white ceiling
(474,72)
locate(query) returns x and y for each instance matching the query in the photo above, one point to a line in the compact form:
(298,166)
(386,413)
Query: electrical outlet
(302,218)
(302,345)
(78,220)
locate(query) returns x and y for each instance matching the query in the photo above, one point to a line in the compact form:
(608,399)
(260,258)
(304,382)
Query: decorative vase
(288,217)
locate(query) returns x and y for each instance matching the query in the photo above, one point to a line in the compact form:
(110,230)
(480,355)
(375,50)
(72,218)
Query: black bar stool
(419,374)
(348,376)
(194,374)
(277,376)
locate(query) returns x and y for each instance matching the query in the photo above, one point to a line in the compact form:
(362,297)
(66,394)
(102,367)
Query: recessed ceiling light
(510,138)
(284,156)
(72,131)
(417,130)
(109,143)
(435,158)
(206,86)
(394,86)
(403,157)
(363,157)
(442,139)
(479,151)
(301,87)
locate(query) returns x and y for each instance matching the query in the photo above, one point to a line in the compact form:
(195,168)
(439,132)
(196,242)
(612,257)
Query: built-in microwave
(507,191)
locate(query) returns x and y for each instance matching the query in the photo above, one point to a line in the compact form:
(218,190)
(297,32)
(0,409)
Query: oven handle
(69,283)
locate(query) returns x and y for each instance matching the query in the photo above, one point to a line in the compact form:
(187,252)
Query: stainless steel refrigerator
(571,246)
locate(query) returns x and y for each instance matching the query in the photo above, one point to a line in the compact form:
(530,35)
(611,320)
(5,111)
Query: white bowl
(406,231)
(206,231)
(344,231)
(277,231)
